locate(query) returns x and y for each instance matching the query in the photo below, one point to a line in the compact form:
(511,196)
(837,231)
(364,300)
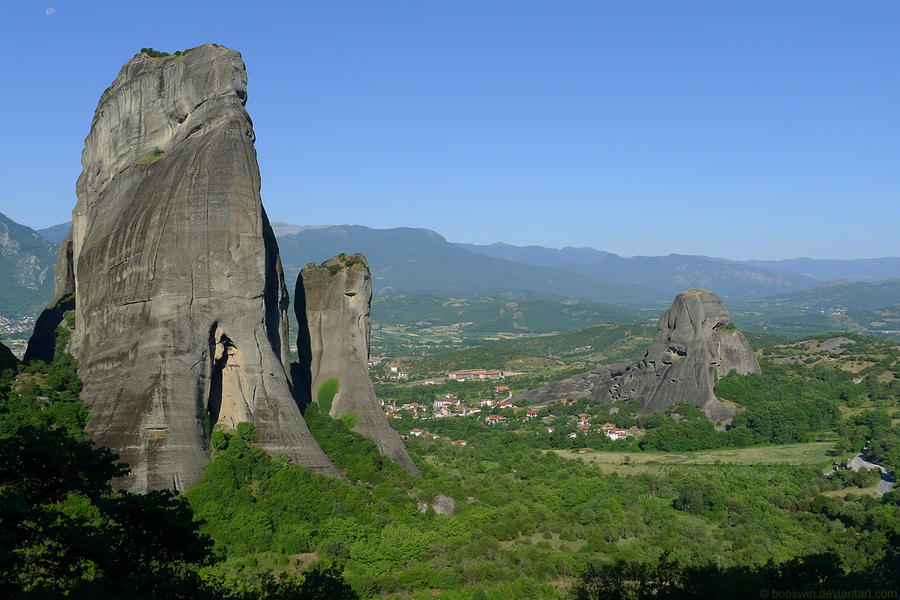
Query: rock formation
(332,302)
(181,308)
(8,360)
(442,505)
(695,343)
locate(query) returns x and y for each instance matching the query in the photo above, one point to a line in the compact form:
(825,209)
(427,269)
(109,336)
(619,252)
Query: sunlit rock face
(332,302)
(694,344)
(181,306)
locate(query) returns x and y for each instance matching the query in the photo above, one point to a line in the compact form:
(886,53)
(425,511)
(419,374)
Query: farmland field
(812,453)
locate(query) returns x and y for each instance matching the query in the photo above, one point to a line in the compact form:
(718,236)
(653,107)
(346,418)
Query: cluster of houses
(609,430)
(398,373)
(474,374)
(531,413)
(392,411)
(450,406)
(434,436)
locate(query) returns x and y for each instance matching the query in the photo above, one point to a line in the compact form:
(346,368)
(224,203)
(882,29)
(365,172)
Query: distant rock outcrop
(442,505)
(181,308)
(332,303)
(695,343)
(8,360)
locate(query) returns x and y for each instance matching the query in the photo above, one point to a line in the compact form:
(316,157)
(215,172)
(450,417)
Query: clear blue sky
(743,130)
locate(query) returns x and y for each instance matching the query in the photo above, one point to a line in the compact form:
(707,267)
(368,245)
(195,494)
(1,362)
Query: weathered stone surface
(181,307)
(332,303)
(694,343)
(444,505)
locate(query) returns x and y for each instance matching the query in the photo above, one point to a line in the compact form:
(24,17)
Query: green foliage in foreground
(803,577)
(326,393)
(524,517)
(246,431)
(64,532)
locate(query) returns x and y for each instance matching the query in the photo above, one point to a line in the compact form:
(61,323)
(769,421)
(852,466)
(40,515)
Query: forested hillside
(524,522)
(26,269)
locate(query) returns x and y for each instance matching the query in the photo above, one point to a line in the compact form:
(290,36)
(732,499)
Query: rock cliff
(695,343)
(332,303)
(181,308)
(8,360)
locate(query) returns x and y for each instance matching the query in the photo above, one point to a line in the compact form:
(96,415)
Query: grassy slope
(812,453)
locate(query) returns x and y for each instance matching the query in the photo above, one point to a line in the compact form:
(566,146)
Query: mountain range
(421,261)
(26,269)
(857,269)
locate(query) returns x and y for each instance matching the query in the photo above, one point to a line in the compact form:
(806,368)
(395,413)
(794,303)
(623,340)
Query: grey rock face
(694,344)
(181,307)
(8,360)
(332,303)
(442,505)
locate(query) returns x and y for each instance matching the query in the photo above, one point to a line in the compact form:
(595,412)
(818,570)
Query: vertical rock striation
(695,343)
(181,307)
(332,303)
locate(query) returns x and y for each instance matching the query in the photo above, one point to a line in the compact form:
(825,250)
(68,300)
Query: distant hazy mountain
(280,228)
(420,260)
(857,269)
(670,274)
(538,255)
(26,269)
(675,273)
(831,297)
(56,233)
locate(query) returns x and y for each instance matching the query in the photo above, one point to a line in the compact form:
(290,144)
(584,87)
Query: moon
(50,11)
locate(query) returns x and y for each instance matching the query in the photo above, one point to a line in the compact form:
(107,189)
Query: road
(887,480)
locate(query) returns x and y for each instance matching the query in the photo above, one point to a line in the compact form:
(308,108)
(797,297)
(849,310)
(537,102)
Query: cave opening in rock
(220,362)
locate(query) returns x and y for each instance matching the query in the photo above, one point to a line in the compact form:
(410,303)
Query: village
(495,410)
(15,331)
